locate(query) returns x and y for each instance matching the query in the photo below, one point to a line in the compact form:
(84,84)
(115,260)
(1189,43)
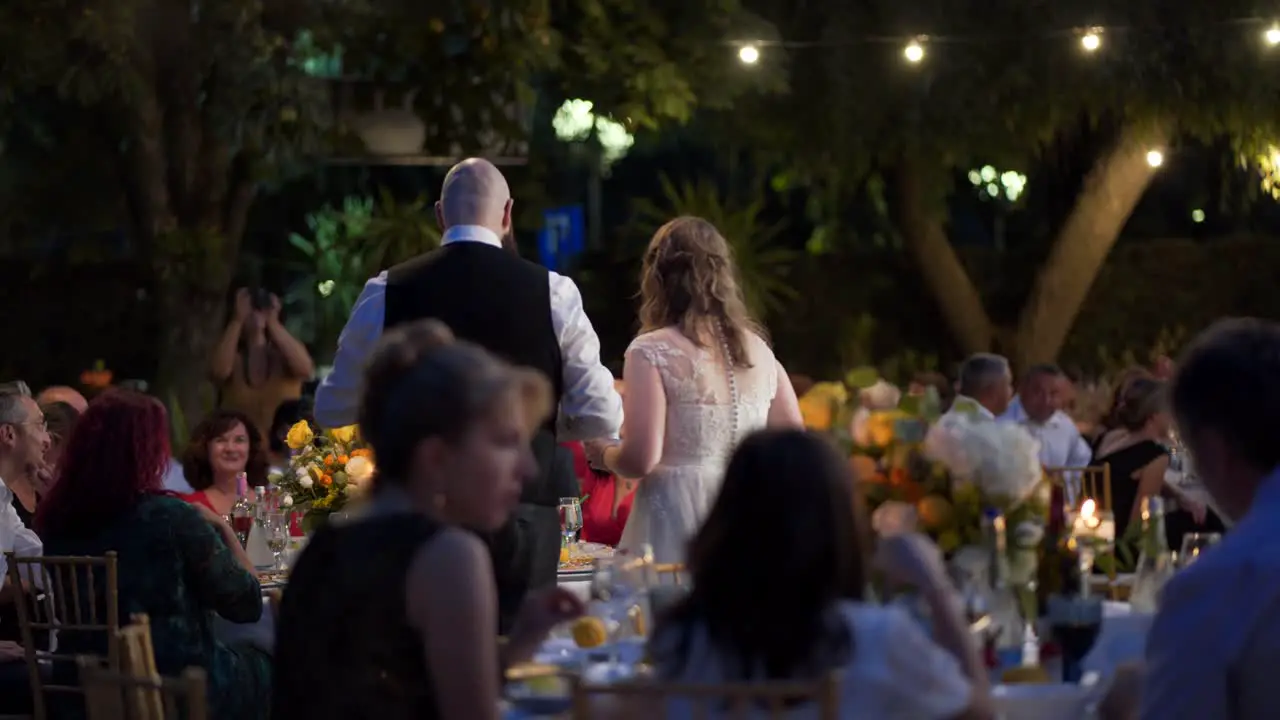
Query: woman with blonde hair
(699,377)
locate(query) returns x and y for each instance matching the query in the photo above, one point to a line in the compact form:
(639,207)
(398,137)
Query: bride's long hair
(689,281)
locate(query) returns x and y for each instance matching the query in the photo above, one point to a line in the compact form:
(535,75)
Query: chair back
(138,659)
(672,572)
(773,700)
(1094,482)
(124,696)
(65,592)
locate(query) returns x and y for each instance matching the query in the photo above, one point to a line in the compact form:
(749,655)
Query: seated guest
(63,394)
(20,440)
(224,445)
(24,439)
(1215,643)
(397,608)
(179,563)
(60,418)
(984,390)
(811,618)
(1138,460)
(1038,408)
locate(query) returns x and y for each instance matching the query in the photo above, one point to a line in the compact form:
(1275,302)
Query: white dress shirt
(1215,643)
(175,478)
(589,408)
(15,537)
(1061,444)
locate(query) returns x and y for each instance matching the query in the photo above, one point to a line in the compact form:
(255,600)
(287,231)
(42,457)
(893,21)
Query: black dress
(344,646)
(1125,463)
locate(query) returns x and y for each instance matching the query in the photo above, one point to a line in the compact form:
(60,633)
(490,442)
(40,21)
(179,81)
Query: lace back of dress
(730,368)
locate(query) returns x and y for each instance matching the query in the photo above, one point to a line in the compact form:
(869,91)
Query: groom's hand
(595,453)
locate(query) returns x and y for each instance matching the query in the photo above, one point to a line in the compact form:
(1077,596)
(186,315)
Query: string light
(1155,158)
(1272,35)
(913,52)
(1197,216)
(1091,40)
(749,54)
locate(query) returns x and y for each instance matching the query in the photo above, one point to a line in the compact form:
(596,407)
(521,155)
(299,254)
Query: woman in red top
(607,501)
(223,446)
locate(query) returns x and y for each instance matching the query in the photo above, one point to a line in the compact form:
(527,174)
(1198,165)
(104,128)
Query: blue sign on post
(563,236)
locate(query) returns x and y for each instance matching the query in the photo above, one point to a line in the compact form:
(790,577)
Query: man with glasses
(23,439)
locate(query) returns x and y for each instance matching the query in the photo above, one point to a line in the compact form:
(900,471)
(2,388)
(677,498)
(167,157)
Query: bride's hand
(595,453)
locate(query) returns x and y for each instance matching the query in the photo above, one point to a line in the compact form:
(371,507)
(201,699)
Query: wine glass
(1075,622)
(618,584)
(570,509)
(1193,544)
(276,526)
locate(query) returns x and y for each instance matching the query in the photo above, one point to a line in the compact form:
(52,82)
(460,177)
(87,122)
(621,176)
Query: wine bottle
(1155,563)
(242,511)
(1058,572)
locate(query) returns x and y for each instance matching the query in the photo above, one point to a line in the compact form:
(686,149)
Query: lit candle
(1088,513)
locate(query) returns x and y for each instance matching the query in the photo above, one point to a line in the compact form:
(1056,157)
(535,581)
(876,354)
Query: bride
(699,378)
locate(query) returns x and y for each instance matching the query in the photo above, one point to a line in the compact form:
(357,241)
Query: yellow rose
(299,436)
(359,470)
(880,427)
(344,435)
(818,412)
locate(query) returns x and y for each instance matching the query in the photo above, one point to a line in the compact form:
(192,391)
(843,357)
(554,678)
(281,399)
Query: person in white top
(778,591)
(23,439)
(1038,408)
(699,378)
(984,390)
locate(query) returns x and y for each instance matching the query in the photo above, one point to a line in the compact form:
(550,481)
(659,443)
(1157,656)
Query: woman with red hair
(178,563)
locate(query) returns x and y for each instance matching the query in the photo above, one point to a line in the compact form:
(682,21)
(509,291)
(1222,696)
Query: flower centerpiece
(328,469)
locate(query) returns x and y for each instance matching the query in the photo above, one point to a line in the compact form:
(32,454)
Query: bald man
(518,310)
(63,394)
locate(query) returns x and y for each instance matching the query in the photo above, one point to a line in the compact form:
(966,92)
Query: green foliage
(763,265)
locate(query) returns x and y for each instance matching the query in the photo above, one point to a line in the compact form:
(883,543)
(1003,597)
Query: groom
(521,312)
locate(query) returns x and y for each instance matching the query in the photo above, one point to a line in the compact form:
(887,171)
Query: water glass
(570,509)
(1195,543)
(276,527)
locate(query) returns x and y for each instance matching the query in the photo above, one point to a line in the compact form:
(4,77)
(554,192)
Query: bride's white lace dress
(707,414)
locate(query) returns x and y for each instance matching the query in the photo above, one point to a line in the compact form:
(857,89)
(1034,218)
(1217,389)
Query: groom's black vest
(501,302)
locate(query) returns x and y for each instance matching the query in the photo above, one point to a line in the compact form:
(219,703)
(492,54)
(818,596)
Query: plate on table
(580,556)
(272,578)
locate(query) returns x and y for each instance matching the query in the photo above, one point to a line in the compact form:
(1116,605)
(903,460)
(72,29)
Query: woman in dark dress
(392,615)
(178,563)
(1134,450)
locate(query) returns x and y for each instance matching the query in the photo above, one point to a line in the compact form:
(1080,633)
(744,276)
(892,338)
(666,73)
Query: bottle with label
(242,512)
(1155,563)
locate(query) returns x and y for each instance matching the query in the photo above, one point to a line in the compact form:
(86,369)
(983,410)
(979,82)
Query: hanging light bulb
(749,54)
(1272,35)
(1091,40)
(1155,158)
(913,52)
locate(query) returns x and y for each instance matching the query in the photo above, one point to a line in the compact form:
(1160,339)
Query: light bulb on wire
(1272,35)
(1155,158)
(749,54)
(1091,41)
(913,52)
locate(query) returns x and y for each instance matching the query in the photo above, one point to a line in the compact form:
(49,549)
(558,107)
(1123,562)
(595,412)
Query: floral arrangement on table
(328,469)
(917,469)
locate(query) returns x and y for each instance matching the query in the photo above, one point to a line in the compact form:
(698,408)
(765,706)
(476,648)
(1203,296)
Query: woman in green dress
(178,563)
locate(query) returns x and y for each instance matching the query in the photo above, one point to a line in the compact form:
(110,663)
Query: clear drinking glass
(570,519)
(618,584)
(276,527)
(1195,543)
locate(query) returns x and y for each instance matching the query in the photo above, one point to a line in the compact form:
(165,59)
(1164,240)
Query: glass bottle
(1005,609)
(242,512)
(1155,563)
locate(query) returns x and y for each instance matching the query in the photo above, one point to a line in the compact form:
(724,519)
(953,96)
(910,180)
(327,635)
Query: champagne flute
(570,509)
(276,525)
(1193,544)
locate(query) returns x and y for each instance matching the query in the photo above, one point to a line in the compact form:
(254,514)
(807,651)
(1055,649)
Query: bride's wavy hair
(689,281)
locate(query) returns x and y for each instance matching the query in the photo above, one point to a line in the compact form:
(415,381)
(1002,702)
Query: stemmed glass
(1093,532)
(570,509)
(1195,543)
(618,583)
(276,527)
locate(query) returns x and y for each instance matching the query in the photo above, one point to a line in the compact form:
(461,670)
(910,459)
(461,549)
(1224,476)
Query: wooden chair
(1095,482)
(675,571)
(114,696)
(138,660)
(68,603)
(643,700)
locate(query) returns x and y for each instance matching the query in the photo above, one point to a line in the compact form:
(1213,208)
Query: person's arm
(295,353)
(451,601)
(217,568)
(784,411)
(16,536)
(1150,480)
(646,408)
(224,353)
(590,407)
(1078,455)
(1202,609)
(338,397)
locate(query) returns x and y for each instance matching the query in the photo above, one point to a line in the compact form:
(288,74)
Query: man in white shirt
(1038,408)
(23,440)
(984,389)
(1215,643)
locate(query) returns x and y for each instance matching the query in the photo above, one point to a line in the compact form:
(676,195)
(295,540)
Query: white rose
(305,481)
(881,396)
(287,501)
(894,518)
(359,470)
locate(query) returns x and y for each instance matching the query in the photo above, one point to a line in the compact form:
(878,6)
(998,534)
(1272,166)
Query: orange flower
(328,460)
(342,459)
(326,479)
(362,452)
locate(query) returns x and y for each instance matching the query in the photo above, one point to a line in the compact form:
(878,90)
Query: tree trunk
(1107,199)
(923,229)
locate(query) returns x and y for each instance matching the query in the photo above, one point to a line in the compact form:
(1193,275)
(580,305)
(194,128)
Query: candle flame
(1087,509)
